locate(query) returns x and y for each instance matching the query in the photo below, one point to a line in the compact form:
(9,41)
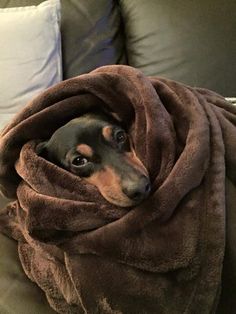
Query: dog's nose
(138,190)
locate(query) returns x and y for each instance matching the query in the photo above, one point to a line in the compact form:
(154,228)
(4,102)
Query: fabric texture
(17,293)
(89,256)
(30,54)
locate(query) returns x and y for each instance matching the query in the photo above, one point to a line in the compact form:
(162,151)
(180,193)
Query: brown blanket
(163,256)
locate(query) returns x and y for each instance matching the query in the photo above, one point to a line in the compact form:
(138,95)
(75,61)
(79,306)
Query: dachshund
(97,148)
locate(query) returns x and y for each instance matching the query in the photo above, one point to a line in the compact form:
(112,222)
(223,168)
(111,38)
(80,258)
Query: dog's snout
(137,190)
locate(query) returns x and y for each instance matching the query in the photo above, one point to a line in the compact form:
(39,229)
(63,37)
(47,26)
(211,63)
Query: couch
(189,41)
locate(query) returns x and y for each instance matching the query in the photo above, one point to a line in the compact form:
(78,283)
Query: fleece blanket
(88,256)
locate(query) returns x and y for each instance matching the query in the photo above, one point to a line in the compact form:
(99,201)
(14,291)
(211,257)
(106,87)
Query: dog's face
(98,150)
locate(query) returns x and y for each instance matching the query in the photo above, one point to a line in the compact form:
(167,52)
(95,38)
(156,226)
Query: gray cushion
(91,33)
(189,41)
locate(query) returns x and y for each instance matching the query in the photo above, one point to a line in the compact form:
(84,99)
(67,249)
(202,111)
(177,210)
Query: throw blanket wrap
(163,256)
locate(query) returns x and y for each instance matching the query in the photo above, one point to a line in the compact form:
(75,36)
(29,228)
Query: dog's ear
(41,150)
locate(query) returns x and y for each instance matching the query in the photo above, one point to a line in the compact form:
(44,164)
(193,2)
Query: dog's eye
(120,136)
(79,161)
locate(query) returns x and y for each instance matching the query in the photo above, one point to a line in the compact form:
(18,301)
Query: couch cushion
(30,54)
(91,33)
(189,41)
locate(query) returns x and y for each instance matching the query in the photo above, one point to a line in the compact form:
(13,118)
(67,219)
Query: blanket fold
(89,256)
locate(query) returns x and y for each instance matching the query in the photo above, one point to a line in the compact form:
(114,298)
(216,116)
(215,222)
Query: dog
(97,148)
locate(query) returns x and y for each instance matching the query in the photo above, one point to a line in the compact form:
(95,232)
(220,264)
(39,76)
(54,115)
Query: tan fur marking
(109,185)
(135,162)
(107,133)
(85,150)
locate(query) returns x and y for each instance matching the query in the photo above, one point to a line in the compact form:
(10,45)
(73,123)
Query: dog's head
(97,149)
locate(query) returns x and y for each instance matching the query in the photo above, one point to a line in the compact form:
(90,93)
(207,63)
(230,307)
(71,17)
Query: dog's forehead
(86,129)
(83,130)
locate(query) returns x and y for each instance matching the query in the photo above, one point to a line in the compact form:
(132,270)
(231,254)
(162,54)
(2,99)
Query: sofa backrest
(190,41)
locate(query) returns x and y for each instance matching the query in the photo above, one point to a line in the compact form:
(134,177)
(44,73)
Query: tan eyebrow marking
(107,133)
(85,150)
(109,184)
(135,162)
